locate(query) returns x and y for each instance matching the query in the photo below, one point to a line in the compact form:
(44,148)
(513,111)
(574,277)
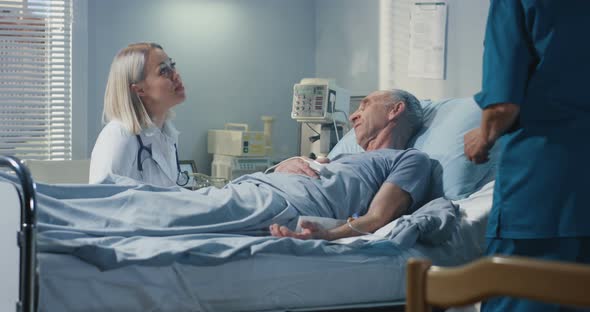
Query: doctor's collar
(168,130)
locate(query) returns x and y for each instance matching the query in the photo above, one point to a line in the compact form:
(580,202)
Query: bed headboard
(24,197)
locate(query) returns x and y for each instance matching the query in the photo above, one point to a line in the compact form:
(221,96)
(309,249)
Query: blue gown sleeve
(508,55)
(412,174)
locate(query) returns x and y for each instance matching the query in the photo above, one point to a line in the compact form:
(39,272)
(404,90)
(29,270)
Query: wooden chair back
(520,277)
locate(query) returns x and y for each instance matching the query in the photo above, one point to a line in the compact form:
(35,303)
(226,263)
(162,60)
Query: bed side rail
(26,236)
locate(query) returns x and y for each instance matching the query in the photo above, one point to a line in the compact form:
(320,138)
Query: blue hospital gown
(348,184)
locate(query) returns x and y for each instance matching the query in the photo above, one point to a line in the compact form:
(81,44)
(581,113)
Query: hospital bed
(289,282)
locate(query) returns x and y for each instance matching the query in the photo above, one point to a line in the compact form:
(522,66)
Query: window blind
(35,79)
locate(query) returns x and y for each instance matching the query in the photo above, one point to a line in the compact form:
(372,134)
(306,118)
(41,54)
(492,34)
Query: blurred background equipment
(322,109)
(238,151)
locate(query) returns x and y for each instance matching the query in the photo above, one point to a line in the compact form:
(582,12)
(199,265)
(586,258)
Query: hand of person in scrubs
(309,230)
(476,148)
(495,121)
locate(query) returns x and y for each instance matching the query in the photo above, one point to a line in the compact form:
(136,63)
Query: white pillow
(445,124)
(475,210)
(346,145)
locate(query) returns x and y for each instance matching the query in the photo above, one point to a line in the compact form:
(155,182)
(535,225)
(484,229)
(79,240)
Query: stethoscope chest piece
(182,177)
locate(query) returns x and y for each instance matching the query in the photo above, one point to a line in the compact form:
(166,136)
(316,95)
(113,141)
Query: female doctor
(139,141)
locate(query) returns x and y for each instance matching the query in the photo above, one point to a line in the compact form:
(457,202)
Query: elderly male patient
(379,185)
(391,180)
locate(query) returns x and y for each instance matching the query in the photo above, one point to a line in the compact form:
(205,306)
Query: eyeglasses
(167,69)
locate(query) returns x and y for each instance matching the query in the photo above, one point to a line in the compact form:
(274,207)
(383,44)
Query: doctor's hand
(476,148)
(296,166)
(309,230)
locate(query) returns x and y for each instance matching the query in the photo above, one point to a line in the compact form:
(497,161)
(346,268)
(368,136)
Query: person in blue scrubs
(535,96)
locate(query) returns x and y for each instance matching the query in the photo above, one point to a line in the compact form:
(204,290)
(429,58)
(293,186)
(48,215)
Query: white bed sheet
(264,282)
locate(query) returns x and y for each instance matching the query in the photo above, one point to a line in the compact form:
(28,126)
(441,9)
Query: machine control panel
(313,102)
(251,164)
(317,100)
(308,100)
(231,167)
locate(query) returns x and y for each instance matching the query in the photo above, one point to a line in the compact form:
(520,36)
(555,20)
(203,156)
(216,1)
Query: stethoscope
(181,179)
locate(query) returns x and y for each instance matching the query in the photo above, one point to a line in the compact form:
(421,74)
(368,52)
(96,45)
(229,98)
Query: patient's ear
(396,111)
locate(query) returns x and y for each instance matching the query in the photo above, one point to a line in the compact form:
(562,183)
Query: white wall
(238,59)
(80,80)
(363,44)
(347,43)
(465,33)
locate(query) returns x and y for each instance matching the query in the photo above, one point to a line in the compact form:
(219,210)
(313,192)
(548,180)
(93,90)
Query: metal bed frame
(26,236)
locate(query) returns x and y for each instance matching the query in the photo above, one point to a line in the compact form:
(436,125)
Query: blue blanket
(113,225)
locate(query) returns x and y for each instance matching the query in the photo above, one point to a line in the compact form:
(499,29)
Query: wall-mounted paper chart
(428,23)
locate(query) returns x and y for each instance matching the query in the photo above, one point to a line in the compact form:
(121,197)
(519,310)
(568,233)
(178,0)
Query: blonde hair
(120,103)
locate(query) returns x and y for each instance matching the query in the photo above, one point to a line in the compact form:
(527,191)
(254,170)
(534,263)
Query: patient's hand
(323,160)
(296,166)
(309,230)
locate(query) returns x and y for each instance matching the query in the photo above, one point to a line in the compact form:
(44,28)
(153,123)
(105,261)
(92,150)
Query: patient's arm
(389,203)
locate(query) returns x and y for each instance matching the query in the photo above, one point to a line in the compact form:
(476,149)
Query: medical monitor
(318,100)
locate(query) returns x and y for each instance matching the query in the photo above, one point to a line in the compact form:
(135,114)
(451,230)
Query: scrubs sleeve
(508,55)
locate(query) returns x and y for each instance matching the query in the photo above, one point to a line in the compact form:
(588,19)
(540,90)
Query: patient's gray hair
(413,113)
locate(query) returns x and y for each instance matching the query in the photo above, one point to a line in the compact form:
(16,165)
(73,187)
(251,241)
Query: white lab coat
(116,149)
